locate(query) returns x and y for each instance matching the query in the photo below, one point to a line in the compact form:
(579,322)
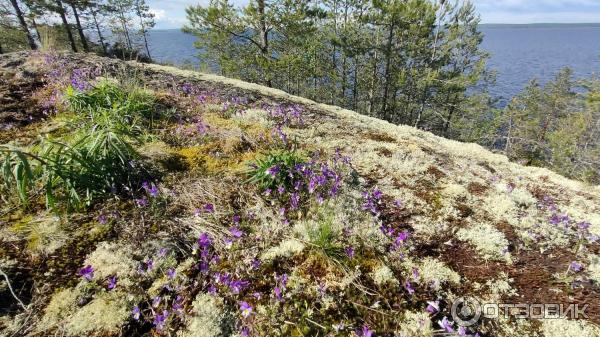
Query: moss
(44,233)
(212,159)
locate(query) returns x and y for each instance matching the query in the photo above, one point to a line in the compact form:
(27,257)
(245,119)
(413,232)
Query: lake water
(518,53)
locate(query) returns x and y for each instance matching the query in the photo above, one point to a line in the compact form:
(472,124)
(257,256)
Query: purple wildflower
(365,332)
(149,265)
(415,274)
(294,200)
(204,240)
(377,194)
(156,301)
(142,202)
(409,288)
(446,325)
(245,308)
(171,273)
(236,232)
(112,282)
(135,313)
(576,266)
(102,219)
(278,293)
(584,226)
(273,171)
(255,263)
(87,272)
(433,307)
(161,319)
(178,305)
(349,252)
(462,331)
(237,286)
(209,208)
(162,252)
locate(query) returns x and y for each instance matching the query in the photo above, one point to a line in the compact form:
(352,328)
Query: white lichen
(487,240)
(383,275)
(285,249)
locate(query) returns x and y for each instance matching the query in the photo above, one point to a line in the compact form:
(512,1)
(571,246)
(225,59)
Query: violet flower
(135,313)
(160,320)
(273,171)
(87,272)
(365,331)
(409,288)
(576,266)
(446,325)
(102,219)
(433,307)
(237,286)
(171,273)
(349,252)
(236,232)
(112,282)
(156,301)
(209,208)
(204,240)
(245,308)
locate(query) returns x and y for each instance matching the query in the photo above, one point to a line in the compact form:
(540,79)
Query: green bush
(278,168)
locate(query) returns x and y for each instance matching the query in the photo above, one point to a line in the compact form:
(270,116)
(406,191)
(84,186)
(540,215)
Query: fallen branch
(11,290)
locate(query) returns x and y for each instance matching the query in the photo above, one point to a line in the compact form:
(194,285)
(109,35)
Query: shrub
(95,158)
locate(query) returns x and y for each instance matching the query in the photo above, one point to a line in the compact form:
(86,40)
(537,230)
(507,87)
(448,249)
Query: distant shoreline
(538,25)
(497,25)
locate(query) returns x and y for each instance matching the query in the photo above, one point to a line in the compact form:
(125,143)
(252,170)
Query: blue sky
(171,13)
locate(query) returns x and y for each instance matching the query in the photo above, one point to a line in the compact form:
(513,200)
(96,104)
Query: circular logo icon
(466,311)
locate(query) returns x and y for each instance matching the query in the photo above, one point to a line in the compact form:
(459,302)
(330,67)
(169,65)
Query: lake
(519,53)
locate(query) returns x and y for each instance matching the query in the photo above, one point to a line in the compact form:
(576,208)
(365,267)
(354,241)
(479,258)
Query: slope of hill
(215,207)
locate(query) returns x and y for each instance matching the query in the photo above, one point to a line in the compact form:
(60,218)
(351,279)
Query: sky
(171,13)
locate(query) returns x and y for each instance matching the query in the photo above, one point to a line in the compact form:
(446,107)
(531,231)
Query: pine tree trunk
(143,28)
(264,37)
(387,74)
(37,31)
(80,29)
(100,37)
(63,17)
(23,24)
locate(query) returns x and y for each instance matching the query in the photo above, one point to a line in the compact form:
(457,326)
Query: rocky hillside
(147,200)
